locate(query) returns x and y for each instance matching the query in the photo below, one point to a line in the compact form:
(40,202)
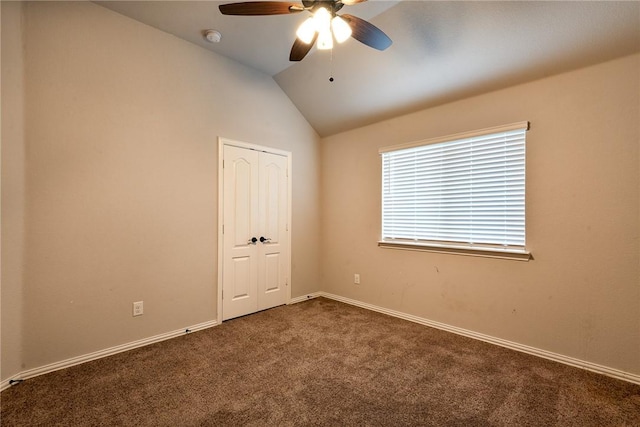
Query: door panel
(272,273)
(241,278)
(242,206)
(272,175)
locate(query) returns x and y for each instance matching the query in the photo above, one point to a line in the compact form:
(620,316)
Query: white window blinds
(465,190)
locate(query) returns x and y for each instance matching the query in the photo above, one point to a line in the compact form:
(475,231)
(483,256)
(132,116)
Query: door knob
(262,239)
(252,241)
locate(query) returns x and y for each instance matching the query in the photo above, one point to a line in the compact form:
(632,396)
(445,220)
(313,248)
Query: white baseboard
(104,353)
(303,298)
(589,366)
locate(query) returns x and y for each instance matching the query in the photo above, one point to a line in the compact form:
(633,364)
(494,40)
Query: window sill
(459,250)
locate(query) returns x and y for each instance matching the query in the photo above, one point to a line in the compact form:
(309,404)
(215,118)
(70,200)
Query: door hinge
(222,228)
(223,164)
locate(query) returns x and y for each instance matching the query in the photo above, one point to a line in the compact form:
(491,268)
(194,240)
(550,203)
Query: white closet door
(273,246)
(255,261)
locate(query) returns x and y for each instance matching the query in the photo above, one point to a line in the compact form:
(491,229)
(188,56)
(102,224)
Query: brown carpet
(321,363)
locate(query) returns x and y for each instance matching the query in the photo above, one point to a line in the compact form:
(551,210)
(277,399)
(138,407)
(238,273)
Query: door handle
(252,241)
(262,239)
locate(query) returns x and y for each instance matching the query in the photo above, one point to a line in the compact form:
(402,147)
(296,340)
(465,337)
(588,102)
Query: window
(464,193)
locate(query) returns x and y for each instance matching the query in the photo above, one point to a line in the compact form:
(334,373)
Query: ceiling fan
(323,26)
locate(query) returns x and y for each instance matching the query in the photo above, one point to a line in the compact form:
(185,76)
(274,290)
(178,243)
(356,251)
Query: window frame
(454,247)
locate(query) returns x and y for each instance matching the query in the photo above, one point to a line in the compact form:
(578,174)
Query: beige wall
(122,123)
(13,188)
(580,297)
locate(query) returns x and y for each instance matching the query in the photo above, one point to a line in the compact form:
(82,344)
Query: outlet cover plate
(138,308)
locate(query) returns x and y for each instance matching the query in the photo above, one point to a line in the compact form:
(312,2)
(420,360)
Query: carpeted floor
(321,363)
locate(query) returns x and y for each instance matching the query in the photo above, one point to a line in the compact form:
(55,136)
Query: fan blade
(367,33)
(259,8)
(300,49)
(351,2)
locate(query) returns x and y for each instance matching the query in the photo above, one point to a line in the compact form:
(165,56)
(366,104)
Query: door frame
(221,143)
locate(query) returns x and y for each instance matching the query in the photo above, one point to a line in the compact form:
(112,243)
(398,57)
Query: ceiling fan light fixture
(322,19)
(341,30)
(307,31)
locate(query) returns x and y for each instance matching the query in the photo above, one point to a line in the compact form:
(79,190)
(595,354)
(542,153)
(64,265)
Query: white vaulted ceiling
(442,51)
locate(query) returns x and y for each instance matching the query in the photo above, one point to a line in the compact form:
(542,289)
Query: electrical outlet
(356,279)
(138,309)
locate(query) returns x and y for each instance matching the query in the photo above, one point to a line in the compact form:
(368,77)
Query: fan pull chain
(331,67)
